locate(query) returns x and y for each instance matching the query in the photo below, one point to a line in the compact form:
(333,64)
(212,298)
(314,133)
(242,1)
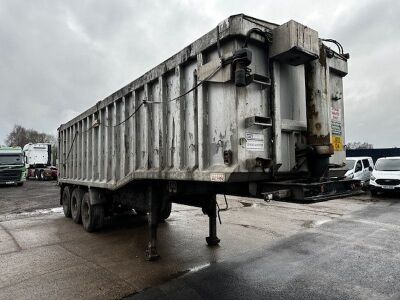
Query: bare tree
(20,136)
(359,145)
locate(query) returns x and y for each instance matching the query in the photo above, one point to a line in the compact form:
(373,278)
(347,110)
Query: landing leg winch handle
(154,211)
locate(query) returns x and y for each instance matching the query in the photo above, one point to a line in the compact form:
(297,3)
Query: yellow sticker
(337,142)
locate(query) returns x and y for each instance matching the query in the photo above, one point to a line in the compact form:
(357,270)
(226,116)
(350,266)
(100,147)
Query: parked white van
(386,175)
(359,168)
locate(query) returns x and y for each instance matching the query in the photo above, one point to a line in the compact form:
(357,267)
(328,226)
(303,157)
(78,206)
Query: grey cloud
(60,57)
(372,87)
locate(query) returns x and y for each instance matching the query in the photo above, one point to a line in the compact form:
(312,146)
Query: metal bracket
(258,121)
(311,191)
(260,79)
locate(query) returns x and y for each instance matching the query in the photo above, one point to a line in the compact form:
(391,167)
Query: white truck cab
(359,168)
(37,155)
(38,161)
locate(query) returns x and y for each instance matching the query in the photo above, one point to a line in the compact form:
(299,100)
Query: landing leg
(154,211)
(212,239)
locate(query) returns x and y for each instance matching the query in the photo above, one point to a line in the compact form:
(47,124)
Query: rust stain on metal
(319,139)
(322,55)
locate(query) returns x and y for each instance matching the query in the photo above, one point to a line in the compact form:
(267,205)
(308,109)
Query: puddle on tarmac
(198,268)
(191,270)
(248,204)
(320,222)
(34,213)
(178,274)
(245,204)
(312,224)
(38,212)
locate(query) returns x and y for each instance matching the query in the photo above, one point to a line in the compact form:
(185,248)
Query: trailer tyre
(66,201)
(41,177)
(76,200)
(92,215)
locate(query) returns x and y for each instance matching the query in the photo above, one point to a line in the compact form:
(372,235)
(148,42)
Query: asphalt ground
(353,257)
(31,196)
(338,249)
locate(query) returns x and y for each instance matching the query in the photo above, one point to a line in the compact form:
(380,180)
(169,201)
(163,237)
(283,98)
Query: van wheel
(76,200)
(92,215)
(66,201)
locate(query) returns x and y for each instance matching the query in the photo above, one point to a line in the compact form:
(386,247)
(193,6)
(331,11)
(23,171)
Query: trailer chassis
(154,198)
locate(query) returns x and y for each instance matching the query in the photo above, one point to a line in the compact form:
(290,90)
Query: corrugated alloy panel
(185,139)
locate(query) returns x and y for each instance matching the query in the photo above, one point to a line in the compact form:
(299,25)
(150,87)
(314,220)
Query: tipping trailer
(248,108)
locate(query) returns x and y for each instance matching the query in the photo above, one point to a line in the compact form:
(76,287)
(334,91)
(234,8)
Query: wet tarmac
(31,196)
(273,250)
(353,257)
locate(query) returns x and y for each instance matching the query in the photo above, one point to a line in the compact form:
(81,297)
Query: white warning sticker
(254,141)
(218,177)
(336,114)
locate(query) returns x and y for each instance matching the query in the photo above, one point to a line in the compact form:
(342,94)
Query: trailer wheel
(41,175)
(166,212)
(66,201)
(37,175)
(92,215)
(76,200)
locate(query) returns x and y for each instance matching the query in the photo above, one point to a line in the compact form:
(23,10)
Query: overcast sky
(57,58)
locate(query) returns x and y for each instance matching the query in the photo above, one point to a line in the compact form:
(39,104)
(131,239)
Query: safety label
(336,114)
(336,121)
(336,128)
(218,177)
(254,141)
(337,142)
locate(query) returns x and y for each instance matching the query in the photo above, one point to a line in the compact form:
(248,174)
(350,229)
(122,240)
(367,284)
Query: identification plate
(217,177)
(254,141)
(388,187)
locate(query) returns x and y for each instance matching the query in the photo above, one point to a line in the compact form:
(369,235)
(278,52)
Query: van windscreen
(350,164)
(388,165)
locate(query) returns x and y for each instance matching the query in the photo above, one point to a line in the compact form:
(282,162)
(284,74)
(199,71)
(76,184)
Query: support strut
(212,239)
(154,200)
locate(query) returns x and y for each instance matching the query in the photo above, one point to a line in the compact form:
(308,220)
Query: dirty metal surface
(182,139)
(165,125)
